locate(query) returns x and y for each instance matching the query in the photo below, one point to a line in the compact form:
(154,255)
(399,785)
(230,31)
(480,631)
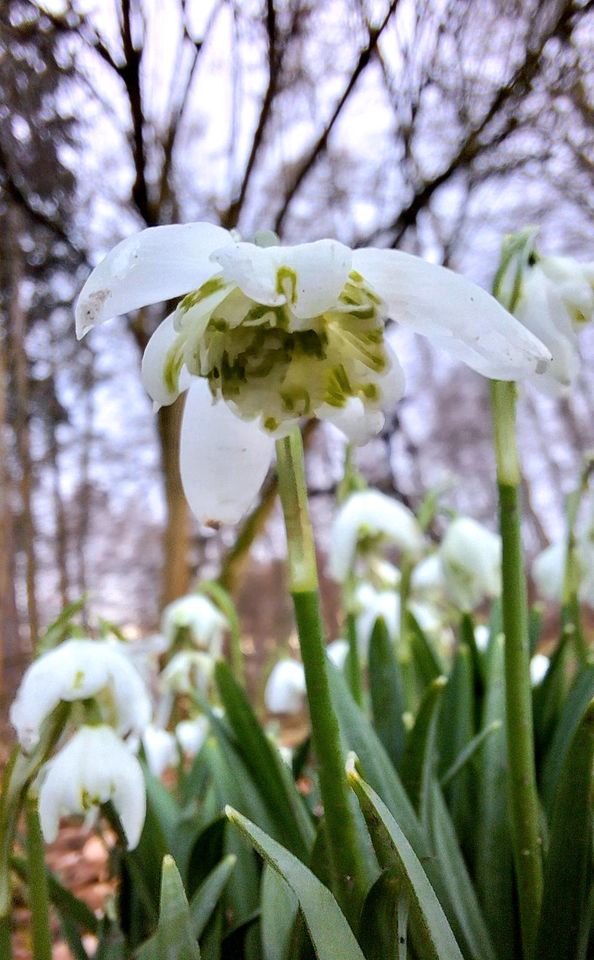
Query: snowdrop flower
(470,557)
(427,578)
(285,688)
(367,518)
(482,636)
(79,670)
(337,652)
(202,619)
(553,297)
(538,668)
(159,748)
(548,570)
(275,334)
(191,735)
(94,767)
(189,671)
(371,605)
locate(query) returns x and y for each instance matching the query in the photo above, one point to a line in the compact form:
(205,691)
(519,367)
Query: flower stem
(38,887)
(345,854)
(523,798)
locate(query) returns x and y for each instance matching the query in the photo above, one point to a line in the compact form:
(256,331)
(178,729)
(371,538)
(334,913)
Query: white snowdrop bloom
(385,573)
(159,748)
(553,297)
(281,333)
(470,557)
(92,768)
(285,688)
(337,652)
(482,635)
(367,518)
(427,580)
(539,665)
(428,618)
(191,735)
(79,670)
(372,604)
(548,570)
(189,671)
(203,620)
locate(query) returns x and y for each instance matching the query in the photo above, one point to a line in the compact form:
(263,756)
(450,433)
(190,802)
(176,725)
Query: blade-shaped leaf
(431,933)
(174,939)
(576,703)
(568,862)
(387,694)
(384,919)
(329,931)
(427,662)
(205,899)
(279,910)
(419,756)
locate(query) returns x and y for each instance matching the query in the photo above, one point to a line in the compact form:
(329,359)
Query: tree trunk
(9,620)
(176,538)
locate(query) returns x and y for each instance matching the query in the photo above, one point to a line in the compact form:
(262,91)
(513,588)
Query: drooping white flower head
(282,333)
(548,570)
(372,604)
(553,297)
(160,749)
(191,735)
(365,516)
(92,768)
(203,620)
(427,580)
(79,670)
(337,652)
(470,557)
(189,671)
(285,687)
(539,666)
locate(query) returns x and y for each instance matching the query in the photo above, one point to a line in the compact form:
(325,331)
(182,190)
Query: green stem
(38,886)
(353,662)
(346,857)
(523,798)
(570,611)
(404,646)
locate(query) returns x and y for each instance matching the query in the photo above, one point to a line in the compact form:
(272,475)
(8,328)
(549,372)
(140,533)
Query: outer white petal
(253,269)
(457,314)
(153,365)
(322,270)
(542,311)
(482,636)
(370,513)
(188,671)
(372,605)
(427,577)
(191,735)
(91,769)
(159,748)
(538,668)
(199,615)
(149,267)
(285,688)
(223,460)
(471,561)
(132,703)
(548,572)
(354,420)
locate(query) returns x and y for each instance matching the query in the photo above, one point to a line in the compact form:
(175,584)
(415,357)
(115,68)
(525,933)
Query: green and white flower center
(267,362)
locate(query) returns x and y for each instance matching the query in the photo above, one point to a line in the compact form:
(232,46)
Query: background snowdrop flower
(427,580)
(372,604)
(482,635)
(539,665)
(202,619)
(553,297)
(79,670)
(187,672)
(159,748)
(285,687)
(281,333)
(548,570)
(191,735)
(337,652)
(368,518)
(470,557)
(94,767)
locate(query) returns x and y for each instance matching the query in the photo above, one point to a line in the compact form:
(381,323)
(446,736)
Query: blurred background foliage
(434,126)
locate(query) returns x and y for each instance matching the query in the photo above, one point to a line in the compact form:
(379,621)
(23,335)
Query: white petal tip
(156,406)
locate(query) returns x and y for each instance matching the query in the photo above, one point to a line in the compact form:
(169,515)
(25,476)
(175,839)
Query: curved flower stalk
(553,297)
(79,670)
(94,767)
(285,687)
(201,620)
(365,522)
(470,558)
(276,334)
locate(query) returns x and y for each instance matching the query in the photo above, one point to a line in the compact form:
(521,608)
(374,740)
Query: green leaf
(427,662)
(387,694)
(568,862)
(174,939)
(60,628)
(576,704)
(431,933)
(384,919)
(206,852)
(205,899)
(548,698)
(294,826)
(279,911)
(329,931)
(419,756)
(456,730)
(468,752)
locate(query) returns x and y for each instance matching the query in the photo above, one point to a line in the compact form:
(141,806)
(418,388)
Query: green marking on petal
(286,279)
(214,285)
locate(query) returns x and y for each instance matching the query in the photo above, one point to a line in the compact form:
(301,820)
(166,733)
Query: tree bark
(9,620)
